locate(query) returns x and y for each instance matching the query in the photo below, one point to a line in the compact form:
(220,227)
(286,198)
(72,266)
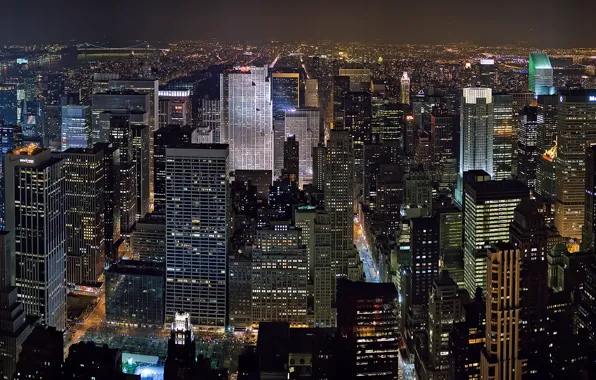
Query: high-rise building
(418,189)
(546,145)
(304,125)
(311,93)
(424,258)
(501,355)
(121,138)
(339,199)
(169,137)
(211,117)
(84,199)
(405,88)
(174,108)
(585,317)
(358,122)
(527,154)
(14,327)
(8,103)
(476,135)
(149,87)
(285,96)
(445,309)
(540,74)
(450,234)
(576,116)
(181,347)
(376,154)
(389,198)
(589,228)
(140,160)
(360,79)
(240,290)
(135,293)
(488,211)
(111,169)
(35,181)
(339,90)
(197,182)
(87,360)
(279,276)
(319,154)
(246,118)
(42,356)
(121,101)
(10,137)
(76,127)
(443,134)
(487,73)
(291,160)
(32,123)
(367,318)
(391,120)
(149,238)
(503,136)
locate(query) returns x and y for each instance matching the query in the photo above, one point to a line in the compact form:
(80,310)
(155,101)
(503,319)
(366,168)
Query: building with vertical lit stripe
(546,141)
(527,154)
(304,125)
(488,211)
(503,140)
(76,127)
(35,213)
(246,118)
(197,209)
(501,355)
(85,211)
(140,160)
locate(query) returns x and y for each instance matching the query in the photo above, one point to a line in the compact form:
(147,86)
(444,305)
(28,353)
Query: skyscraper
(527,154)
(304,125)
(211,117)
(540,74)
(339,90)
(476,139)
(76,127)
(122,101)
(149,87)
(111,169)
(34,181)
(405,88)
(576,116)
(84,184)
(10,136)
(196,239)
(360,79)
(311,93)
(246,117)
(339,199)
(8,103)
(443,133)
(488,211)
(546,145)
(487,73)
(589,228)
(279,276)
(174,108)
(140,160)
(503,136)
(501,355)
(32,122)
(285,96)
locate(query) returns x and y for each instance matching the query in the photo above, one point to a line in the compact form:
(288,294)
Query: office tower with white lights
(503,138)
(246,117)
(304,125)
(540,74)
(279,276)
(34,182)
(576,124)
(197,209)
(405,88)
(84,184)
(211,118)
(76,127)
(285,97)
(527,154)
(488,211)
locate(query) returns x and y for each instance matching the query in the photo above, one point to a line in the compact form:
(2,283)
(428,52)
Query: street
(96,318)
(369,267)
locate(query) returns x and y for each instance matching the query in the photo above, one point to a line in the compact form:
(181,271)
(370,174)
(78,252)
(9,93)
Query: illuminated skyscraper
(476,140)
(527,154)
(487,73)
(405,88)
(10,136)
(279,276)
(576,124)
(546,142)
(503,139)
(339,90)
(488,211)
(197,210)
(360,79)
(501,355)
(128,101)
(211,117)
(443,133)
(85,211)
(32,122)
(311,93)
(540,74)
(8,103)
(246,118)
(589,229)
(304,125)
(140,160)
(285,96)
(76,127)
(34,182)
(174,108)
(149,87)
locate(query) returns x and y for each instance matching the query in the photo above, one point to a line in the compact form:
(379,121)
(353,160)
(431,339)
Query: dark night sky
(544,23)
